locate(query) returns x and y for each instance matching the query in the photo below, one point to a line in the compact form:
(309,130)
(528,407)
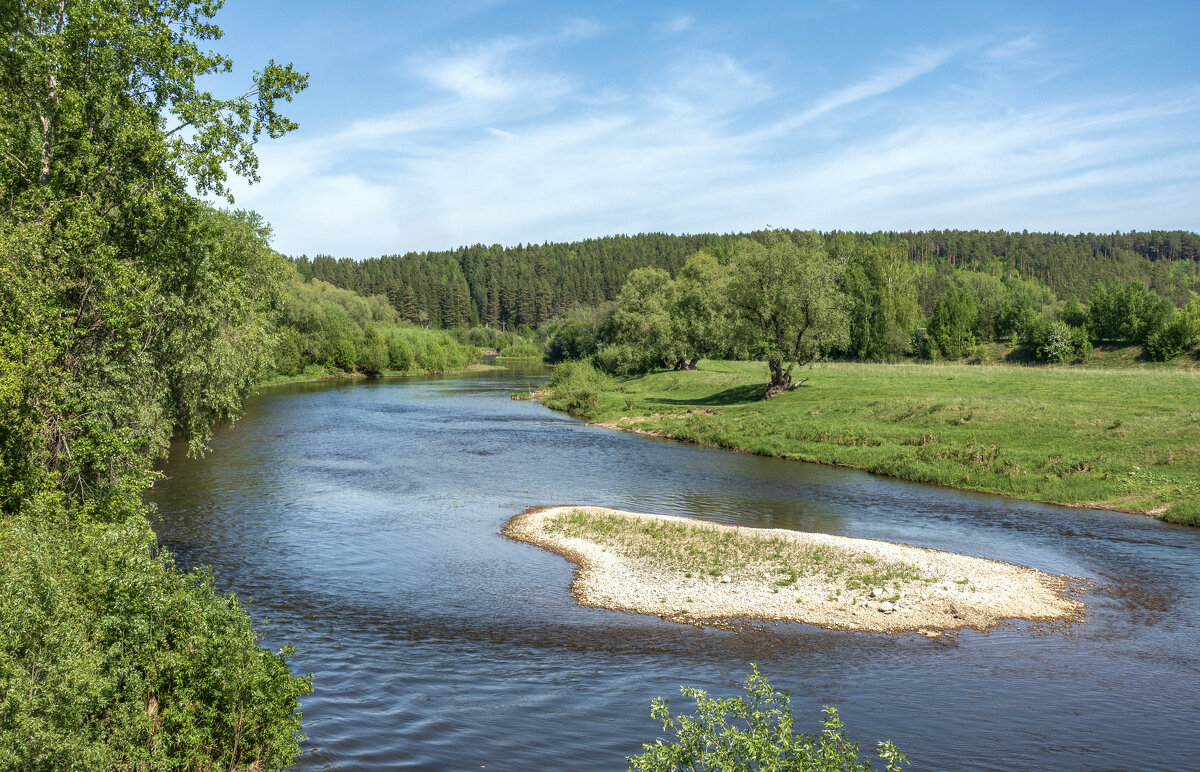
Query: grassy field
(1126,438)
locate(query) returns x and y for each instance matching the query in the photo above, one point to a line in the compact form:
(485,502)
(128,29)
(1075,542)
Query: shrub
(623,359)
(577,385)
(1170,341)
(1183,513)
(112,658)
(400,354)
(753,732)
(289,360)
(522,350)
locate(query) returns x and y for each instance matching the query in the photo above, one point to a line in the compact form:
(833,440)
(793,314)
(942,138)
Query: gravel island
(697,572)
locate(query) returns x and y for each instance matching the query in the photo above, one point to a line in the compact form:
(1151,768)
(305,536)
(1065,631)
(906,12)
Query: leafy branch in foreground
(752,732)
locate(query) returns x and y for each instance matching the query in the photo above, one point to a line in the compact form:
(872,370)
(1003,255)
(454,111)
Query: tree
(129,311)
(753,732)
(139,294)
(789,308)
(642,319)
(953,322)
(882,294)
(699,311)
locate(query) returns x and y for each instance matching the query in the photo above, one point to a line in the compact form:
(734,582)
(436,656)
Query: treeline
(790,298)
(528,285)
(130,312)
(326,329)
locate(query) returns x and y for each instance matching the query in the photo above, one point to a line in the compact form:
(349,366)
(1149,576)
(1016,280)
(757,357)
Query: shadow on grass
(736,395)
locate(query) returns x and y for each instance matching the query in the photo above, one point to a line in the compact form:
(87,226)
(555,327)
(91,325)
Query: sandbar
(707,574)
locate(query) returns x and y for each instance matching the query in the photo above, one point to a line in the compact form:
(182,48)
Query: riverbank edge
(539,395)
(609,580)
(474,367)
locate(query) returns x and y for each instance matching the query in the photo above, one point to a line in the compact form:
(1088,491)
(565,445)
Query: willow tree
(785,295)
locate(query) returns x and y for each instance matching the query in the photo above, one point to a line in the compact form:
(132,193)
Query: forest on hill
(528,285)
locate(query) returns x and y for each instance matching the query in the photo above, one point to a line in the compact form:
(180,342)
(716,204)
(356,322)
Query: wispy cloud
(677,22)
(882,82)
(511,150)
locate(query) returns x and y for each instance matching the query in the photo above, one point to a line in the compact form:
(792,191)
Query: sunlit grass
(706,551)
(1126,437)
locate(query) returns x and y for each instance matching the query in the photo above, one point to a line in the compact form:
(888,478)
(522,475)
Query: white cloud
(677,23)
(882,82)
(499,157)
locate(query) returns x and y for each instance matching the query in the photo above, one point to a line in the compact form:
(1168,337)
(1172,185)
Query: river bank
(1114,439)
(320,374)
(702,573)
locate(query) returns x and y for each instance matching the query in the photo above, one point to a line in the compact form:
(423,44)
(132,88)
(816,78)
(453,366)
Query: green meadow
(1126,438)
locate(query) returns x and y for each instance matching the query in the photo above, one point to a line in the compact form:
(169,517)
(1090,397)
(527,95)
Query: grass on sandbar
(1124,438)
(704,551)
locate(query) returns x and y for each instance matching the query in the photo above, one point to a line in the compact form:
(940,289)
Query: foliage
(531,284)
(577,334)
(111,658)
(508,344)
(1177,335)
(787,303)
(340,330)
(952,326)
(130,312)
(577,384)
(1184,513)
(880,284)
(1131,312)
(1053,340)
(751,732)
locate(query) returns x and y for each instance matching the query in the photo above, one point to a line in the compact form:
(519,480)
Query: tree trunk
(781,379)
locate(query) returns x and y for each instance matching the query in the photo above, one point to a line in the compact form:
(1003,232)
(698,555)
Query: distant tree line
(530,285)
(321,328)
(789,298)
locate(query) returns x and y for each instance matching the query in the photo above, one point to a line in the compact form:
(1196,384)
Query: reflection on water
(364,519)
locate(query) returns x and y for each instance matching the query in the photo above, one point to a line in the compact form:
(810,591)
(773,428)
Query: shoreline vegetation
(316,374)
(1106,439)
(706,574)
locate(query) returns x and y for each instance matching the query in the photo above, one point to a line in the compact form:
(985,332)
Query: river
(363,520)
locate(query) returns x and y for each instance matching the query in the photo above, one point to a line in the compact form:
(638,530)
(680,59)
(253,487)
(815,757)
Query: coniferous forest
(929,294)
(530,284)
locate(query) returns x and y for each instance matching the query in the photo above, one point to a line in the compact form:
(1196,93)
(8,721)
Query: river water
(363,520)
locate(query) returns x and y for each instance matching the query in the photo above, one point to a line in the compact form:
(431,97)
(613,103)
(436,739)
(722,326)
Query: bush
(1183,513)
(522,350)
(400,354)
(1172,340)
(289,360)
(112,658)
(1053,340)
(753,732)
(577,385)
(624,359)
(573,340)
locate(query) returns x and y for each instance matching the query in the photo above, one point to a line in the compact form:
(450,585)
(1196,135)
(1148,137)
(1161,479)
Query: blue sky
(431,125)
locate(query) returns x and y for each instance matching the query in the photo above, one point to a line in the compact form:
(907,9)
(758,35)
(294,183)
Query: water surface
(363,520)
